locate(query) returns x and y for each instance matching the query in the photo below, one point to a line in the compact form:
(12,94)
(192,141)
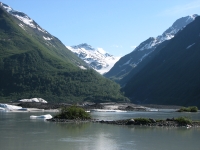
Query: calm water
(18,132)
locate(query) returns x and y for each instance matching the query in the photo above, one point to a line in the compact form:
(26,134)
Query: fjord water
(19,132)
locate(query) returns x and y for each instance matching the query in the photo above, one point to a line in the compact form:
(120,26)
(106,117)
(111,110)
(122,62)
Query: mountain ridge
(130,61)
(172,76)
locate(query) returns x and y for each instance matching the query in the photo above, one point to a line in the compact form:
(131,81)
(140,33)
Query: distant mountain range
(100,61)
(170,74)
(129,62)
(34,63)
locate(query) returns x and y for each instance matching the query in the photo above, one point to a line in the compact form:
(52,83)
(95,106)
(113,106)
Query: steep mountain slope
(100,61)
(130,61)
(46,39)
(34,66)
(173,75)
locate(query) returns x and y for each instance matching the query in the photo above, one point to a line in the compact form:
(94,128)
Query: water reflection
(75,128)
(19,132)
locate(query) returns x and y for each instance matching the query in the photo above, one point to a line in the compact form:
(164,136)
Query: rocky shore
(154,123)
(135,122)
(88,106)
(70,121)
(45,106)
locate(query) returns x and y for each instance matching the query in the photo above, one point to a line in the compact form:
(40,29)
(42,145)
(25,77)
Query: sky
(115,26)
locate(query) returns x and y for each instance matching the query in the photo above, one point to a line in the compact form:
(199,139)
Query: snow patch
(21,25)
(22,17)
(42,30)
(82,67)
(191,17)
(47,38)
(128,62)
(38,100)
(167,35)
(101,50)
(190,46)
(26,20)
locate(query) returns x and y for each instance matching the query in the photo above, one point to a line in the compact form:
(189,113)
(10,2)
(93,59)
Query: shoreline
(89,106)
(131,122)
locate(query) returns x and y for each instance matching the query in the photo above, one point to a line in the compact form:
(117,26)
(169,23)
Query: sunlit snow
(47,38)
(190,46)
(39,100)
(128,62)
(167,35)
(101,50)
(42,30)
(98,59)
(21,25)
(82,67)
(22,17)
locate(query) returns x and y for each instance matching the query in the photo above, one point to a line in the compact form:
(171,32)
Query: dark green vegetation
(73,112)
(178,122)
(172,77)
(142,120)
(31,66)
(183,121)
(188,109)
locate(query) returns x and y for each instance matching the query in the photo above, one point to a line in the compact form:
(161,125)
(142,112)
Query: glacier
(97,59)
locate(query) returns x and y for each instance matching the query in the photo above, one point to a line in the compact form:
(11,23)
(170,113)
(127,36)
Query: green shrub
(73,112)
(188,109)
(183,120)
(193,109)
(142,120)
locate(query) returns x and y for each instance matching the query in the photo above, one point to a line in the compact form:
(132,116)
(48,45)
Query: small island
(174,122)
(71,114)
(74,114)
(188,109)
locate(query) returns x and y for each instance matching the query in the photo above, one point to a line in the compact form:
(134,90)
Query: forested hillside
(32,67)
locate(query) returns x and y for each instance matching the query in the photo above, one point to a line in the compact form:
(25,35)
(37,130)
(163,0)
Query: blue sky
(117,26)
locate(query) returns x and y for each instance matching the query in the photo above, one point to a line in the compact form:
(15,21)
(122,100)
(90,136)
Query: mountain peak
(145,48)
(98,59)
(182,22)
(83,45)
(22,17)
(179,24)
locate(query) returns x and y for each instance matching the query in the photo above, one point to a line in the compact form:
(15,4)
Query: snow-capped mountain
(168,34)
(131,60)
(98,59)
(27,21)
(44,37)
(171,77)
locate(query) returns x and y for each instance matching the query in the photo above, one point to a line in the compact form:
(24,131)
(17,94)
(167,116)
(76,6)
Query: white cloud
(101,50)
(181,8)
